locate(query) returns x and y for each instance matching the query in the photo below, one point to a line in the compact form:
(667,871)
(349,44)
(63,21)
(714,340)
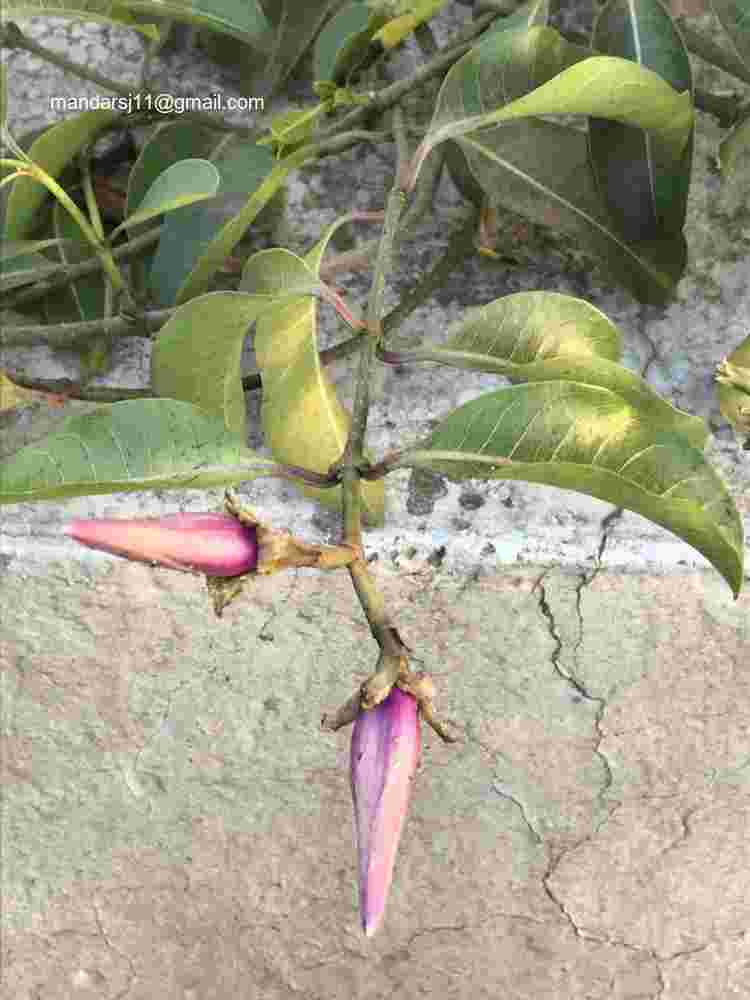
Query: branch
(711,52)
(64,273)
(370,598)
(74,390)
(66,334)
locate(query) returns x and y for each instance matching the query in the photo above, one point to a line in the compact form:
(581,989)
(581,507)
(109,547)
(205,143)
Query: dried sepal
(279,550)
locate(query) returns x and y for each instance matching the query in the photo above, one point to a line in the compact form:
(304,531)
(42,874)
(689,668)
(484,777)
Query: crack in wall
(496,754)
(584,935)
(685,832)
(586,579)
(559,904)
(117,951)
(574,681)
(600,703)
(264,635)
(662,983)
(537,838)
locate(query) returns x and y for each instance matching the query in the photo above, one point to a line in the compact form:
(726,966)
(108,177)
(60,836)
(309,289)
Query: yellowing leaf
(303,421)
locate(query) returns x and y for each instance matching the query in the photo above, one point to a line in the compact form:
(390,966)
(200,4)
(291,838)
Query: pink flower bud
(213,544)
(384,758)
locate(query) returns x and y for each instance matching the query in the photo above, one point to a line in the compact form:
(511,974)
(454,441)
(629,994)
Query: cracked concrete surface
(175,825)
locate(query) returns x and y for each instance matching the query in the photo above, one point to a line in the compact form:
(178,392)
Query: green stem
(371,600)
(92,204)
(103,252)
(14,164)
(442,356)
(97,356)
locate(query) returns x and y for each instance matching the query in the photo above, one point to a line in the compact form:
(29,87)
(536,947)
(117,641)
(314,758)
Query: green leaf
(545,336)
(602,86)
(539,168)
(52,151)
(645,191)
(465,84)
(189,233)
(139,444)
(179,185)
(314,256)
(735,19)
(197,354)
(166,145)
(542,171)
(102,11)
(295,33)
(303,421)
(535,13)
(232,232)
(413,13)
(185,235)
(589,439)
(503,67)
(344,40)
(242,19)
(203,230)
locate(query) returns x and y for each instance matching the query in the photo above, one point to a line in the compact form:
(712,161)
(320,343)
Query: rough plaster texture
(174,824)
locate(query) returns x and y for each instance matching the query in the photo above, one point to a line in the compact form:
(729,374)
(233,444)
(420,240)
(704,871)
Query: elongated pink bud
(213,544)
(384,758)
